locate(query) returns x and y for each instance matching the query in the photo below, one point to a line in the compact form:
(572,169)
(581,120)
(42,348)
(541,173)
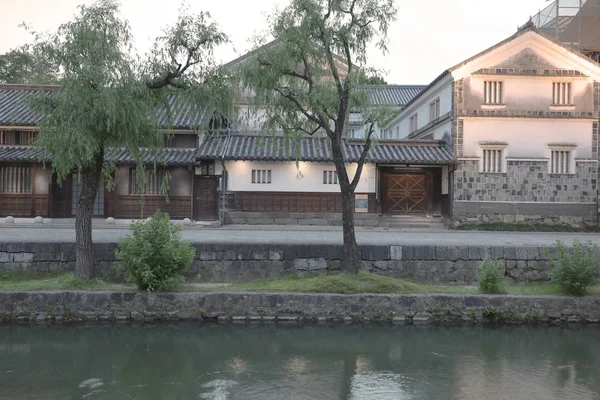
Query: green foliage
(490,275)
(20,66)
(154,257)
(574,271)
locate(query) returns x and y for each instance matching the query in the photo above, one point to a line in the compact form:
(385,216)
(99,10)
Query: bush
(490,275)
(574,271)
(154,257)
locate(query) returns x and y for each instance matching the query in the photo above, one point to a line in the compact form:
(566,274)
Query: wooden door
(406,194)
(206,198)
(61,198)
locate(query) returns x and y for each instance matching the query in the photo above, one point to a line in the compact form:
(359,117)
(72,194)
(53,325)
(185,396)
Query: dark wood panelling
(23,205)
(135,206)
(310,202)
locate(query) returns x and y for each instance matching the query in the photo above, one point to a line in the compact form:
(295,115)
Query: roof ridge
(27,86)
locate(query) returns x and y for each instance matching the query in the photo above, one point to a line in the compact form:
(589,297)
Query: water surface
(263,362)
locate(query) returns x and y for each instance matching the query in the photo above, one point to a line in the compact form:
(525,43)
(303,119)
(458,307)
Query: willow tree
(307,81)
(109,98)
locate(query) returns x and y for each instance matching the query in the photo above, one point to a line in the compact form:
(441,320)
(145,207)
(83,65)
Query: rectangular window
(414,122)
(15,179)
(17,138)
(170,141)
(355,132)
(261,176)
(330,178)
(492,160)
(153,185)
(560,161)
(493,92)
(561,93)
(434,110)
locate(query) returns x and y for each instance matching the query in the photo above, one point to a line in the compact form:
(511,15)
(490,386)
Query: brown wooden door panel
(206,198)
(406,194)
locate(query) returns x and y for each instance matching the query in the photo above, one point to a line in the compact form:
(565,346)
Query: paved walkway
(309,235)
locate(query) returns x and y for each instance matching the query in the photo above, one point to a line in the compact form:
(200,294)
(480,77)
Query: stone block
(533,253)
(441,253)
(5,257)
(474,253)
(310,264)
(497,253)
(260,221)
(313,221)
(452,253)
(260,255)
(419,252)
(375,253)
(275,255)
(521,253)
(285,221)
(396,252)
(430,253)
(23,257)
(463,253)
(510,253)
(207,256)
(408,252)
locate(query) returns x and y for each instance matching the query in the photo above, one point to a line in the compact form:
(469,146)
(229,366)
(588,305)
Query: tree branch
(363,157)
(299,107)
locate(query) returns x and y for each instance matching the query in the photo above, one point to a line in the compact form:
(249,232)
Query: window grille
(261,176)
(493,92)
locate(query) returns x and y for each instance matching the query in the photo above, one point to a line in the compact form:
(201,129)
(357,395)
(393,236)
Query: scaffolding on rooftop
(573,22)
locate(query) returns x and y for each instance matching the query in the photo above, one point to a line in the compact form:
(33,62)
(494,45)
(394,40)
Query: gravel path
(309,235)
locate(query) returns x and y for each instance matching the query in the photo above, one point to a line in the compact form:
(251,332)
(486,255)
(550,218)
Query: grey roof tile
(393,94)
(278,148)
(15,111)
(170,156)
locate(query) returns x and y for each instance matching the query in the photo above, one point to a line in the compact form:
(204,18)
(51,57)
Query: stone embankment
(219,262)
(292,307)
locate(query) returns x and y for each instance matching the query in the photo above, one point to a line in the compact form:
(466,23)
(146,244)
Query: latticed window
(560,161)
(261,176)
(414,122)
(492,160)
(153,183)
(434,110)
(561,93)
(15,179)
(17,138)
(330,177)
(493,92)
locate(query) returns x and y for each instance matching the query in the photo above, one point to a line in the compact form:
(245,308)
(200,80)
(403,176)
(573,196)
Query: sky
(427,37)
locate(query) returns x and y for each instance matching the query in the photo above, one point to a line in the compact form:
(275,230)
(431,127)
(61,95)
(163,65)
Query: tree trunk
(351,262)
(85,254)
(352,258)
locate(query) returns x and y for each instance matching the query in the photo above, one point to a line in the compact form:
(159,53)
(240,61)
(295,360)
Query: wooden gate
(206,198)
(406,194)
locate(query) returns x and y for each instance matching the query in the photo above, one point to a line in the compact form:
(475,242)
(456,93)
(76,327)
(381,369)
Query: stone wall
(290,218)
(235,262)
(526,192)
(291,307)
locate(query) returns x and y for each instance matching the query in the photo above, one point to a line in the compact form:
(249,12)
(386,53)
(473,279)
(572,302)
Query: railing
(136,206)
(23,205)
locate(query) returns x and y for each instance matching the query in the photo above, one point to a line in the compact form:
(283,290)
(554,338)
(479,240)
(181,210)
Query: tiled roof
(171,156)
(277,148)
(393,94)
(14,110)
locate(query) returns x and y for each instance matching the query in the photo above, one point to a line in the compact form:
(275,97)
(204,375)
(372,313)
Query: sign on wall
(361,203)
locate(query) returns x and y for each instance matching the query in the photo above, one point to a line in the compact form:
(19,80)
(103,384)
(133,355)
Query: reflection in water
(272,362)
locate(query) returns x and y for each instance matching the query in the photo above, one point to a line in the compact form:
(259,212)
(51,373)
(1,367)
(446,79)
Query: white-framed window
(155,180)
(561,93)
(414,122)
(355,132)
(492,159)
(561,160)
(15,179)
(261,176)
(434,110)
(330,178)
(493,92)
(386,134)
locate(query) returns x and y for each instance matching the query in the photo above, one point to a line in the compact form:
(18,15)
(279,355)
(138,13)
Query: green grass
(53,281)
(363,282)
(523,227)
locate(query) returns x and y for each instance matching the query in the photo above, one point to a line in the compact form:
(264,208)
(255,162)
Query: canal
(263,362)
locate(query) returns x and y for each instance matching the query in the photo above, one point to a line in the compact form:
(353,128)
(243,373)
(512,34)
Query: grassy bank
(364,282)
(523,227)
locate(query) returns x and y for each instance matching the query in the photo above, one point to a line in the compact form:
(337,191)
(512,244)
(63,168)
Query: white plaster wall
(443,129)
(42,179)
(287,177)
(180,181)
(529,93)
(527,137)
(421,107)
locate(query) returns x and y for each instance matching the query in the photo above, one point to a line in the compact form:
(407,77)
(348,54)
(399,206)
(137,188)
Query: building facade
(522,119)
(510,135)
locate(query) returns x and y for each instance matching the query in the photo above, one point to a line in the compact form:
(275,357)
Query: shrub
(574,271)
(153,256)
(490,275)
